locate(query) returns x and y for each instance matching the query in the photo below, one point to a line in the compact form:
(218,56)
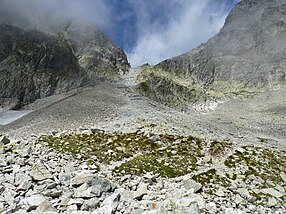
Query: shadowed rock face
(246,55)
(34,65)
(57,57)
(95,52)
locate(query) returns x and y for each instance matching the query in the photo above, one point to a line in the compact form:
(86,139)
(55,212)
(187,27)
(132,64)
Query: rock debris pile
(142,177)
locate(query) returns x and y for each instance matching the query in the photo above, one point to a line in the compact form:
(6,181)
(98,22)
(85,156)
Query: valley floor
(115,107)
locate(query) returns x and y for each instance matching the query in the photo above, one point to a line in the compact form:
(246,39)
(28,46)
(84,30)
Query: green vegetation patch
(168,155)
(258,162)
(205,177)
(210,178)
(175,160)
(102,146)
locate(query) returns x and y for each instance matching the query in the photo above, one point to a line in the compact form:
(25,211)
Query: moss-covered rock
(218,148)
(262,162)
(171,161)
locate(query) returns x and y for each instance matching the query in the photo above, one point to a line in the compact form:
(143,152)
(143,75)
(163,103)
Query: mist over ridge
(148,31)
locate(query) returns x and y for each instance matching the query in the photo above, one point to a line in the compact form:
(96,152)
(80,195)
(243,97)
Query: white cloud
(34,11)
(190,23)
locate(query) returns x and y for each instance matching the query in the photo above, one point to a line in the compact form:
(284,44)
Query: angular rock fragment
(46,207)
(191,184)
(272,192)
(4,140)
(81,178)
(140,192)
(40,172)
(33,201)
(90,204)
(109,204)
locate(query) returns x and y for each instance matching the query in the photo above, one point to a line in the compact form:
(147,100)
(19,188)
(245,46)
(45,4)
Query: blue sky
(149,31)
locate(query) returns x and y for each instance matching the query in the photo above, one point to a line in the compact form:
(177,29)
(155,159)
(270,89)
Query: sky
(149,31)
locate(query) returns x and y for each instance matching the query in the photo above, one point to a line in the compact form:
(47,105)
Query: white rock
(90,204)
(251,207)
(152,212)
(232,211)
(272,202)
(47,207)
(272,192)
(194,209)
(24,181)
(185,202)
(64,201)
(283,176)
(84,191)
(141,191)
(211,206)
(125,195)
(72,209)
(8,196)
(243,192)
(220,192)
(239,149)
(81,178)
(191,184)
(239,200)
(109,204)
(9,178)
(16,169)
(86,131)
(77,201)
(33,201)
(40,172)
(52,193)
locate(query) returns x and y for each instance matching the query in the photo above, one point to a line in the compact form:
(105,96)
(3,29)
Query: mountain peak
(42,58)
(245,57)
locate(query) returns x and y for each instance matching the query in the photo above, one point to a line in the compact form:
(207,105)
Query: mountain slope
(246,56)
(95,52)
(34,65)
(42,55)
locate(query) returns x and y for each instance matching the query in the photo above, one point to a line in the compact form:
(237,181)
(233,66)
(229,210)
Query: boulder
(40,172)
(109,204)
(90,204)
(4,140)
(273,192)
(33,201)
(46,207)
(191,184)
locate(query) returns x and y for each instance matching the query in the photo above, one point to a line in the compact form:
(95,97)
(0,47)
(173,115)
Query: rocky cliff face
(95,52)
(34,65)
(56,57)
(246,56)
